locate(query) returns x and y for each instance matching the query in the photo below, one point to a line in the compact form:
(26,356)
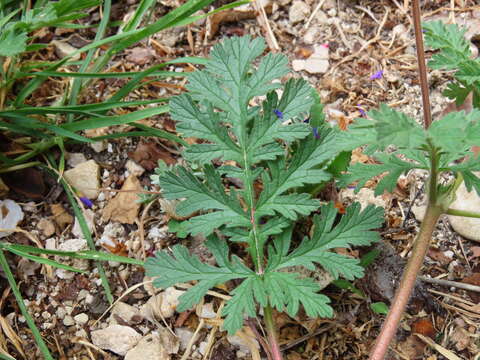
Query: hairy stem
(422,69)
(407,284)
(272,333)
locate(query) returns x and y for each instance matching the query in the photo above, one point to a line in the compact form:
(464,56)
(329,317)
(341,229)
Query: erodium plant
(252,130)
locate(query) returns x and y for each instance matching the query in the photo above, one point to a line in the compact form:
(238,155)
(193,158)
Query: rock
(207,311)
(124,206)
(241,343)
(126,313)
(148,348)
(46,227)
(317,63)
(88,215)
(99,146)
(68,321)
(64,49)
(466,201)
(113,233)
(140,55)
(133,168)
(299,11)
(74,159)
(61,216)
(85,178)
(365,197)
(116,338)
(162,305)
(81,319)
(184,335)
(10,215)
(73,245)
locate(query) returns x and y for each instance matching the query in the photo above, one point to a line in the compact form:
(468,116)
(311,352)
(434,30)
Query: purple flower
(315,132)
(278,113)
(87,202)
(362,112)
(307,120)
(377,75)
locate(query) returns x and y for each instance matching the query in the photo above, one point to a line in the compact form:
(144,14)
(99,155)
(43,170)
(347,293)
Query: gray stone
(148,348)
(85,178)
(299,11)
(116,338)
(466,201)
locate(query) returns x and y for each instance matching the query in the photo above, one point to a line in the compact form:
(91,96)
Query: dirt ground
(356,39)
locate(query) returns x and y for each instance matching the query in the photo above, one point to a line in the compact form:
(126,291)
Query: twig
(450,283)
(422,69)
(315,11)
(263,21)
(186,354)
(306,337)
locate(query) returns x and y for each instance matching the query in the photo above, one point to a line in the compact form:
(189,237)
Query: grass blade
(18,296)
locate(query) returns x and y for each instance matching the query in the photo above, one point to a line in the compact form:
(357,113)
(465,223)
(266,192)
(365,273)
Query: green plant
(454,53)
(272,153)
(37,130)
(441,147)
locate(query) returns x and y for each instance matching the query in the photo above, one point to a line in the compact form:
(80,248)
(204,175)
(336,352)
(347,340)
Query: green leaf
(450,40)
(394,127)
(456,132)
(180,267)
(391,165)
(12,42)
(287,291)
(355,228)
(379,308)
(457,92)
(181,183)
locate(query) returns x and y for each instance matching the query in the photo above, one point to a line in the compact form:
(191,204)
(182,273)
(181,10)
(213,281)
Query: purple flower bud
(377,75)
(362,112)
(278,113)
(307,120)
(315,133)
(87,202)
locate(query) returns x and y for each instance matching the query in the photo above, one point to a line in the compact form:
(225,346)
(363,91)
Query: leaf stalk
(272,333)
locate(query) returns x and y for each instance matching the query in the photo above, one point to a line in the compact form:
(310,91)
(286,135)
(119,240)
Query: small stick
(450,283)
(263,21)
(315,11)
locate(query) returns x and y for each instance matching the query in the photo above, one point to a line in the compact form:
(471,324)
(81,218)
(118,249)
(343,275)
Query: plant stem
(427,115)
(271,333)
(407,284)
(464,213)
(18,296)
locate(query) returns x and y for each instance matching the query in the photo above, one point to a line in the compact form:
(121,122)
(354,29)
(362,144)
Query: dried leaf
(148,154)
(124,206)
(61,216)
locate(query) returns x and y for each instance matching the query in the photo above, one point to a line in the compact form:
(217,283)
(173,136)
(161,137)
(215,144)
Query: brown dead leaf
(475,252)
(412,347)
(425,327)
(140,55)
(236,15)
(61,217)
(439,256)
(27,182)
(147,155)
(119,249)
(124,206)
(474,279)
(461,338)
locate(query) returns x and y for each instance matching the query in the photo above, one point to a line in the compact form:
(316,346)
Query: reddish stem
(407,284)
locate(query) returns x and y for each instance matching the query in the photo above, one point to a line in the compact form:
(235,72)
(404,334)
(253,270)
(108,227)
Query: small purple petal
(377,75)
(278,113)
(315,132)
(362,112)
(307,120)
(87,202)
